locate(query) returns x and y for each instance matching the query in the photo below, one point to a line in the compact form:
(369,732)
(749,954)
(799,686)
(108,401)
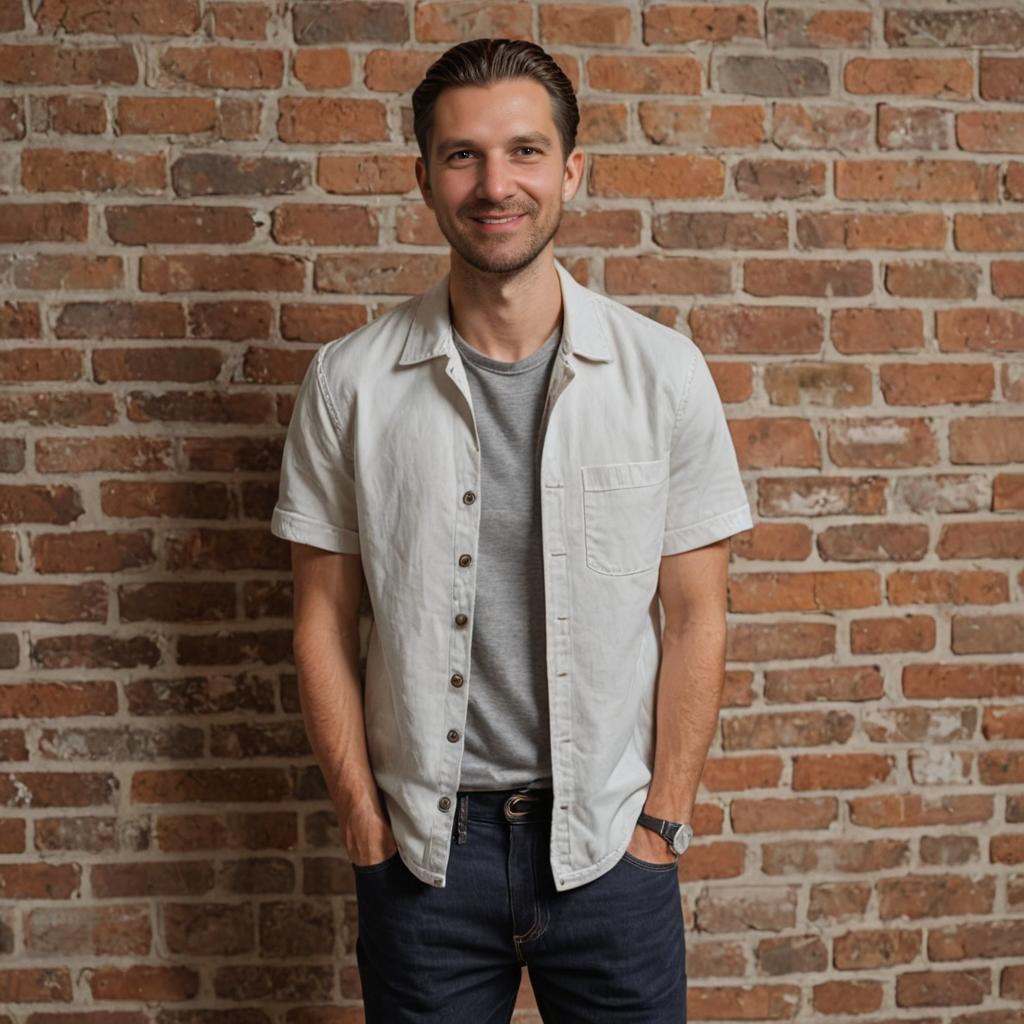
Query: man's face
(495,152)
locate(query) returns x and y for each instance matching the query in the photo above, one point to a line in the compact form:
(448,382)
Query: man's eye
(459,152)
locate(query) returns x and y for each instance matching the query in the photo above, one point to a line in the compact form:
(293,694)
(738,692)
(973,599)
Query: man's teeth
(497,220)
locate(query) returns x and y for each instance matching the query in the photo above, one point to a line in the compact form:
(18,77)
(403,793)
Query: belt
(514,806)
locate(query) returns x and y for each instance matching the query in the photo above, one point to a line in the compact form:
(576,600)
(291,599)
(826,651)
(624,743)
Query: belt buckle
(510,809)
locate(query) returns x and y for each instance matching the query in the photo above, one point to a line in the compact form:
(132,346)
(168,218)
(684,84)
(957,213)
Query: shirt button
(444,803)
(453,735)
(457,680)
(469,497)
(461,619)
(465,560)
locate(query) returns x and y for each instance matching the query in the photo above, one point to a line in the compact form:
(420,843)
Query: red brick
(805,126)
(151,983)
(930,27)
(819,29)
(1002,78)
(979,539)
(913,76)
(876,948)
(856,331)
(334,22)
(980,330)
(212,273)
(942,587)
(936,384)
(453,20)
(928,128)
(920,180)
(751,731)
(677,176)
(35,984)
(43,64)
(768,179)
(986,440)
(57,170)
(923,279)
(331,68)
(240,21)
(757,75)
(841,771)
(943,988)
(699,125)
(165,115)
(846,997)
(775,441)
(937,681)
(916,896)
(677,74)
(772,814)
(223,67)
(147,224)
(119,17)
(44,222)
(331,120)
(124,930)
(585,24)
(366,175)
(666,24)
(748,329)
(843,278)
(982,131)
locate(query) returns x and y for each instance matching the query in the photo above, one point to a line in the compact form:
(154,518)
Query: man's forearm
(332,706)
(690,683)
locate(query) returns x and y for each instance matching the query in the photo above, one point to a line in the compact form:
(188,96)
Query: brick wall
(828,198)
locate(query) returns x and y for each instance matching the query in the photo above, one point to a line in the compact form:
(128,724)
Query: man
(522,470)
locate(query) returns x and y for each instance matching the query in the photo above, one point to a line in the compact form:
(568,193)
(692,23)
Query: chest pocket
(624,506)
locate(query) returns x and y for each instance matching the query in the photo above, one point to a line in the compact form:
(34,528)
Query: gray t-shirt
(507,736)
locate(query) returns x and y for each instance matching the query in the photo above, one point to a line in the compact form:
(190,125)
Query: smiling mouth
(498,220)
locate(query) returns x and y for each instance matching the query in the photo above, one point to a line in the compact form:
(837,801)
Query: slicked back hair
(483,61)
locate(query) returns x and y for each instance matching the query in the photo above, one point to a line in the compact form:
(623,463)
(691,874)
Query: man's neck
(505,319)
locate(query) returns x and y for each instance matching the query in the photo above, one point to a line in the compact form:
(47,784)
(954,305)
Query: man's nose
(494,181)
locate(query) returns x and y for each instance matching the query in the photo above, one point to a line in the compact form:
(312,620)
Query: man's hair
(483,61)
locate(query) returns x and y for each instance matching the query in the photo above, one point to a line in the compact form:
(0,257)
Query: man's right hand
(369,840)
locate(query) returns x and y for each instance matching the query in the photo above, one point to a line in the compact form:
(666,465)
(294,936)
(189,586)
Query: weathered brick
(450,22)
(585,24)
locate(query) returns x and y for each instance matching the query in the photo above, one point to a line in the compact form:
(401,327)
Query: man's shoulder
(375,344)
(635,334)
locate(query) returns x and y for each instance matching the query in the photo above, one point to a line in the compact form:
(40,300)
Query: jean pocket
(362,869)
(624,506)
(648,865)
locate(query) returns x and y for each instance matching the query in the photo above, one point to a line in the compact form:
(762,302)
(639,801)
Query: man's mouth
(499,220)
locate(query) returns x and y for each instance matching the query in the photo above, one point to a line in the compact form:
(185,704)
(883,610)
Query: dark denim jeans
(611,950)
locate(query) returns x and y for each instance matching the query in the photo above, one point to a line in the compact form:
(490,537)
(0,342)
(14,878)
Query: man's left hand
(648,845)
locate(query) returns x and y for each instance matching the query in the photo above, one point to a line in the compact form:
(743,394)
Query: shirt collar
(583,331)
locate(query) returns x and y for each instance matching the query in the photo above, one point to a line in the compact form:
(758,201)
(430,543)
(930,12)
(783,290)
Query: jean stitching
(646,866)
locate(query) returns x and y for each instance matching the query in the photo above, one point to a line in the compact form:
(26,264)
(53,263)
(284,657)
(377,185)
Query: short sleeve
(316,501)
(706,500)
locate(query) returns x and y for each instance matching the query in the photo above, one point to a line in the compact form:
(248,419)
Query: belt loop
(463,816)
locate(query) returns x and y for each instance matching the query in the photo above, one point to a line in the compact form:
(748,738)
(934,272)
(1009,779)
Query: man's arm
(328,590)
(692,587)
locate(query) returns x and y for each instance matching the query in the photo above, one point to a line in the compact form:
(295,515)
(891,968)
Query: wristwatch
(677,834)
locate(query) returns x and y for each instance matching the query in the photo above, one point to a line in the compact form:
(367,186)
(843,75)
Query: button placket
(556,583)
(467,525)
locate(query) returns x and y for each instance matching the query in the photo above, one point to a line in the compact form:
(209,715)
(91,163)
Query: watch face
(682,839)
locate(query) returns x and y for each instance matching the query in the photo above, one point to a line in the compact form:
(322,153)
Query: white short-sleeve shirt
(382,458)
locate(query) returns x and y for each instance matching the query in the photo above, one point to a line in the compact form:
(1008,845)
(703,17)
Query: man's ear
(423,181)
(573,174)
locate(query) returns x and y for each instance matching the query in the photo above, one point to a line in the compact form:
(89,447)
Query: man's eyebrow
(518,140)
